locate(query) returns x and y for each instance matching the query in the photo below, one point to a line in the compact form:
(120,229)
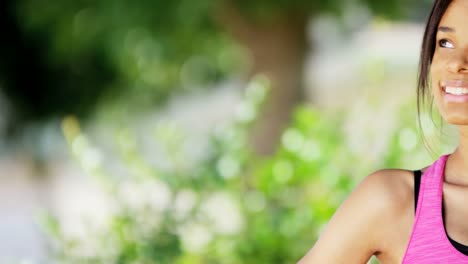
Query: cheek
(439,62)
(434,77)
(436,72)
(435,65)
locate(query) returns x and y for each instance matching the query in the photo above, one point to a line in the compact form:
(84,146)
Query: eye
(444,43)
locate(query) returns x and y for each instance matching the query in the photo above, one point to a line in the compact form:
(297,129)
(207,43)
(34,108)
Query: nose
(458,63)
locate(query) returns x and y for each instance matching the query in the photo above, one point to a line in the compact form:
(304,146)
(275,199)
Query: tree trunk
(278,48)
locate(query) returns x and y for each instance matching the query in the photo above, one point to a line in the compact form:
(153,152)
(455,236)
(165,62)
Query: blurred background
(199,131)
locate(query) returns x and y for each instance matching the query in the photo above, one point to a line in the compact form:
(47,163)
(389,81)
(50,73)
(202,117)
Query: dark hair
(427,53)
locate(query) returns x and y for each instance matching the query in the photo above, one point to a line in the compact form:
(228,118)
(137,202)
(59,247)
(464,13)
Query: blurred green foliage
(228,206)
(68,57)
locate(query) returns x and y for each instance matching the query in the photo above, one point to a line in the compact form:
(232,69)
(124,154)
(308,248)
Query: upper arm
(354,232)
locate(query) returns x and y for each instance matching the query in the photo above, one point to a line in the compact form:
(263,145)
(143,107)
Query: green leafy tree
(68,56)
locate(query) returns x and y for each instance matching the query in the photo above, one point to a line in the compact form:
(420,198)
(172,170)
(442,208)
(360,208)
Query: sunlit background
(199,131)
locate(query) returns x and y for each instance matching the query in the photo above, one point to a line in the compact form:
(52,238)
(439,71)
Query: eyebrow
(446,29)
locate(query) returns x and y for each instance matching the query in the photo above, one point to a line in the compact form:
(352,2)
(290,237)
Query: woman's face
(449,69)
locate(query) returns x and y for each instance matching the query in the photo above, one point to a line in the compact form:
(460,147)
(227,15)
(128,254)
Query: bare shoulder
(396,187)
(362,225)
(393,187)
(387,195)
(397,212)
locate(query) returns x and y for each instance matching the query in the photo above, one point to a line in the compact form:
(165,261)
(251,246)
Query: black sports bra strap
(417,184)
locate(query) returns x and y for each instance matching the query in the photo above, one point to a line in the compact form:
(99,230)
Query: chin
(453,113)
(458,119)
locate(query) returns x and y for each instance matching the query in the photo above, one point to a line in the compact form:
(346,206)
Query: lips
(457,91)
(454,83)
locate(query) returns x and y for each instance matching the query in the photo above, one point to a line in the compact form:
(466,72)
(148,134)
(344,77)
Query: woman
(379,217)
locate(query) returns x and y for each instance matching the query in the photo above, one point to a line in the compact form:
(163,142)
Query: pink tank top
(429,242)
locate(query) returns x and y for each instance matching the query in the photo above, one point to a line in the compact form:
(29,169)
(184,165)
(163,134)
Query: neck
(457,169)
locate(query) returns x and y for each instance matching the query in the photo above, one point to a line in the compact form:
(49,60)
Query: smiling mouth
(455,90)
(455,87)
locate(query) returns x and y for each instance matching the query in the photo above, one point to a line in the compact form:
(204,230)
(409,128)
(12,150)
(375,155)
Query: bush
(229,206)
